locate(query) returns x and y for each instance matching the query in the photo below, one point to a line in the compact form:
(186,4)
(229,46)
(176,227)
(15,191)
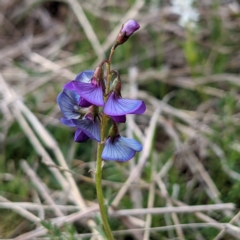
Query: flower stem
(100,197)
(111,54)
(98,173)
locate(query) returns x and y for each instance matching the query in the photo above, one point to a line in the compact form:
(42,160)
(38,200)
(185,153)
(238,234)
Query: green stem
(98,173)
(100,197)
(109,72)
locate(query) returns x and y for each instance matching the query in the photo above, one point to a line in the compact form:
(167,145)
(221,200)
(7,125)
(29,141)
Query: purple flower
(88,87)
(88,127)
(120,149)
(117,106)
(130,27)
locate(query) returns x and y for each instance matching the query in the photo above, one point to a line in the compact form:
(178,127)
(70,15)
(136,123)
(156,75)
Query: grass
(191,155)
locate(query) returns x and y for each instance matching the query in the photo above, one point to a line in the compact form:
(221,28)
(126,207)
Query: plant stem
(98,173)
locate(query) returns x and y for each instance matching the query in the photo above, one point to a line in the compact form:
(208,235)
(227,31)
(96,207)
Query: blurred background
(183,62)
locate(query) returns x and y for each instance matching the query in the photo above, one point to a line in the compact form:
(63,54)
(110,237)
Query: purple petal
(67,122)
(84,103)
(141,109)
(90,92)
(68,105)
(119,119)
(132,143)
(80,136)
(130,27)
(69,86)
(122,106)
(90,128)
(85,76)
(115,151)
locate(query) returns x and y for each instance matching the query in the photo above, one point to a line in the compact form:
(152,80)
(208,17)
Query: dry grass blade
(175,219)
(236,217)
(49,65)
(207,219)
(43,191)
(151,196)
(87,27)
(21,211)
(162,229)
(58,222)
(182,209)
(135,194)
(33,139)
(21,47)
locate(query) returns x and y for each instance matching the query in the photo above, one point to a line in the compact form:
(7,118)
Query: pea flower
(120,149)
(87,123)
(89,86)
(117,106)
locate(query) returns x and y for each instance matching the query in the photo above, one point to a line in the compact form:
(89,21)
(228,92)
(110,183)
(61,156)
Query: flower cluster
(89,97)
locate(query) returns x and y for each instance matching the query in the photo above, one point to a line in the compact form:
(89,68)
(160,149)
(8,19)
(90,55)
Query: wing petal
(89,127)
(119,119)
(122,106)
(115,151)
(68,105)
(67,122)
(85,76)
(84,103)
(90,92)
(132,143)
(80,136)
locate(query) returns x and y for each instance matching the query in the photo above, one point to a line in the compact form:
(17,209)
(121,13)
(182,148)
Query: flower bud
(98,73)
(98,77)
(130,27)
(127,30)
